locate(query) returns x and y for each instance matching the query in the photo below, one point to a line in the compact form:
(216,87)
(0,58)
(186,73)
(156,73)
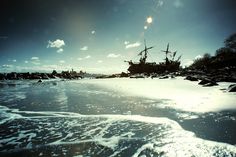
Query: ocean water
(116,117)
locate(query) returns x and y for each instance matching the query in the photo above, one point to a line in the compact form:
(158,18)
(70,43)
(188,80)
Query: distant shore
(206,78)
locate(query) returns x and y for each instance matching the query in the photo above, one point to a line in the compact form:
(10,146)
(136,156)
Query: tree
(230,42)
(223,52)
(202,63)
(229,51)
(224,57)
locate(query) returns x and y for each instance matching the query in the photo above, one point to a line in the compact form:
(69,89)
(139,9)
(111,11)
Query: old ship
(169,65)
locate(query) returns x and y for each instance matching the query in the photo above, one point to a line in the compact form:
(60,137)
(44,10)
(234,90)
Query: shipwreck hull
(148,68)
(170,64)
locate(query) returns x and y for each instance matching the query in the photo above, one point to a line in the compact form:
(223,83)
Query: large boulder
(204,81)
(191,78)
(210,84)
(232,88)
(207,82)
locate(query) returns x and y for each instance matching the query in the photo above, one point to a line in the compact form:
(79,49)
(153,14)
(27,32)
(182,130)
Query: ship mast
(143,57)
(167,52)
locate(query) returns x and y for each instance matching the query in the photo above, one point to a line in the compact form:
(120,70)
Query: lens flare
(149,19)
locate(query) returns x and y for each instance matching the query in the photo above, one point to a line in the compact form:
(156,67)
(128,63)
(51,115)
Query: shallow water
(97,118)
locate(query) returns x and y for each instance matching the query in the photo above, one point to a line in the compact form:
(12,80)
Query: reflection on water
(82,118)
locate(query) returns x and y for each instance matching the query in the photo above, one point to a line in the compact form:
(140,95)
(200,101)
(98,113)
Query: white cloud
(178,3)
(6,66)
(87,57)
(112,55)
(145,27)
(126,42)
(26,62)
(35,60)
(160,3)
(132,45)
(58,44)
(99,61)
(93,32)
(187,62)
(60,50)
(85,48)
(198,57)
(13,60)
(35,63)
(61,61)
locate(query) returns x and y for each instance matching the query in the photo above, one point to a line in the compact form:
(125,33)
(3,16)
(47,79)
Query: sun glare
(149,19)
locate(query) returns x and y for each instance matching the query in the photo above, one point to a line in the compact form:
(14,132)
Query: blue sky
(98,35)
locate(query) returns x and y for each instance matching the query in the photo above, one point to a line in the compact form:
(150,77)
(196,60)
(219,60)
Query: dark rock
(124,74)
(204,81)
(11,76)
(45,76)
(2,77)
(154,76)
(210,84)
(232,88)
(52,76)
(111,76)
(35,76)
(223,78)
(207,82)
(164,77)
(138,76)
(40,81)
(191,78)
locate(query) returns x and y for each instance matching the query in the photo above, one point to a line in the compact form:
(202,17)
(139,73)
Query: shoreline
(210,129)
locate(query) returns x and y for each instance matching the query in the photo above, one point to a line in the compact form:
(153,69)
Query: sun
(149,19)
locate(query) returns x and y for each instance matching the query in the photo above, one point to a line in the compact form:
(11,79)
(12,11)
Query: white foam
(159,135)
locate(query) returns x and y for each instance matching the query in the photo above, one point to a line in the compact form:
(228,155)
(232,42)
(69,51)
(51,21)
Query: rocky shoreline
(204,78)
(39,76)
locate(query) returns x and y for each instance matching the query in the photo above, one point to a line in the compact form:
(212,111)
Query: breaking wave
(72,134)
